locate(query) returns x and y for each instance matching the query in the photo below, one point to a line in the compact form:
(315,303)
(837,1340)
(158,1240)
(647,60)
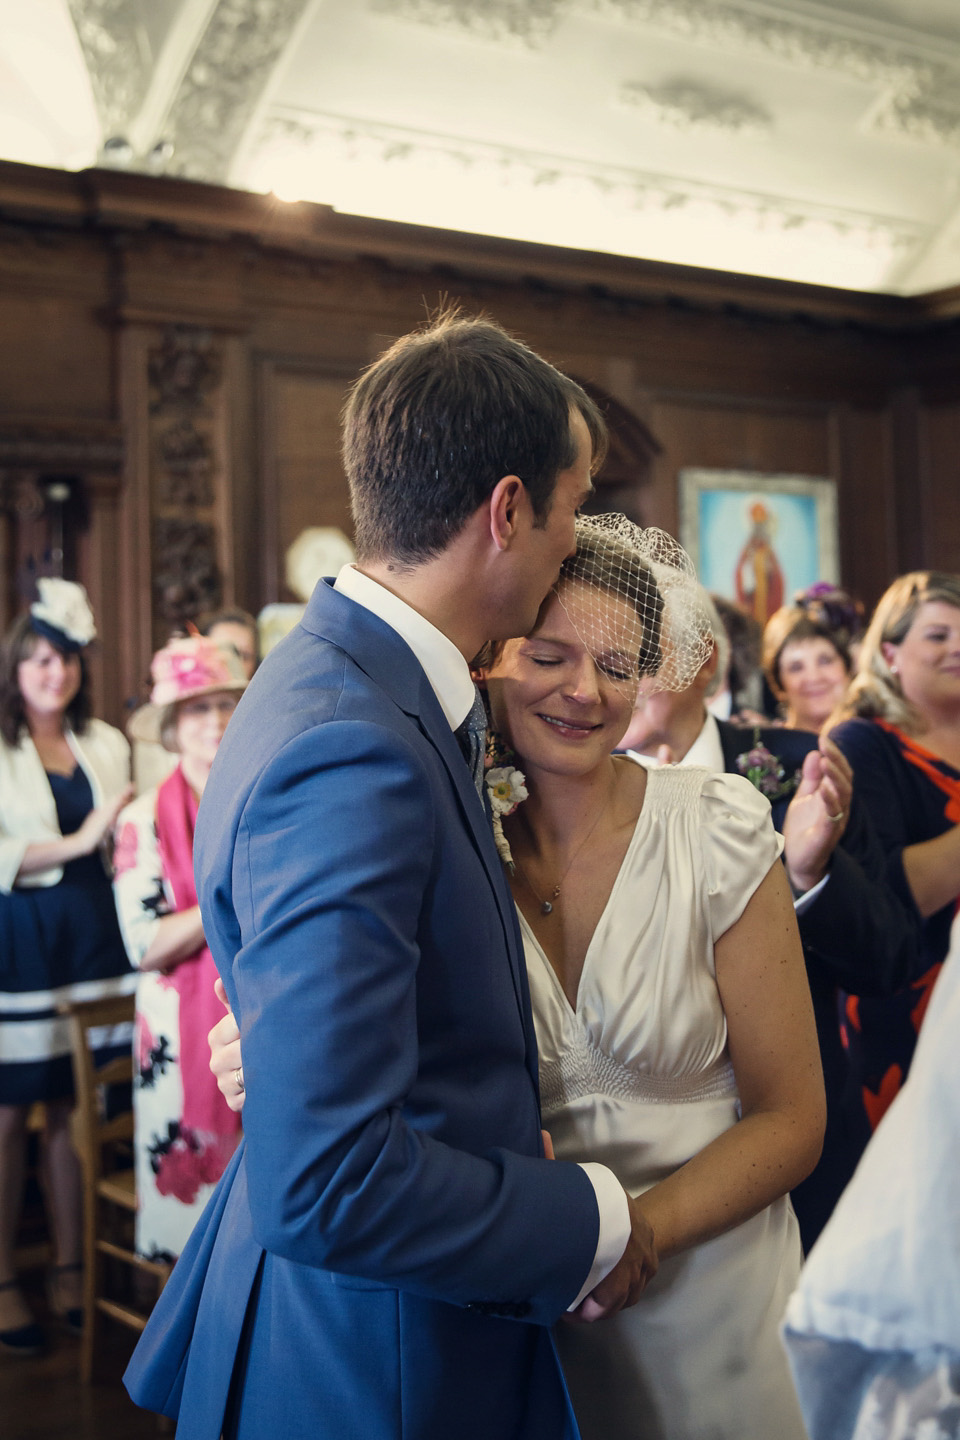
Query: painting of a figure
(756,539)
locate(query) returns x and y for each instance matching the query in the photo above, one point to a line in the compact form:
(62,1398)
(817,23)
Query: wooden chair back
(103,1138)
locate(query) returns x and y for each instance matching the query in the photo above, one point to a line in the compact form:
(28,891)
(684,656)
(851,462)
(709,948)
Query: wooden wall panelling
(912,498)
(936,500)
(865,464)
(302,478)
(240,559)
(703,430)
(99,545)
(21,514)
(177,385)
(723,370)
(188,473)
(55,359)
(58,493)
(134,559)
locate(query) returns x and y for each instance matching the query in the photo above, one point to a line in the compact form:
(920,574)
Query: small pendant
(546,908)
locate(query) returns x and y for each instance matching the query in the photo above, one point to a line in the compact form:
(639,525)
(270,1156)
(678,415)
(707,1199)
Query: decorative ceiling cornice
(640,191)
(692,106)
(922,99)
(817,42)
(530,21)
(117,57)
(224,82)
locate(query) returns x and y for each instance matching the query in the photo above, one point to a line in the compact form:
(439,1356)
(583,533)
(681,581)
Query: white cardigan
(28,812)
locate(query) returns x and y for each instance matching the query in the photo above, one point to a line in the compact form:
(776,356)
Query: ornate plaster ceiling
(812,141)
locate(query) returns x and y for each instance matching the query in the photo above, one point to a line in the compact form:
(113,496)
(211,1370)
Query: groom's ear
(505,507)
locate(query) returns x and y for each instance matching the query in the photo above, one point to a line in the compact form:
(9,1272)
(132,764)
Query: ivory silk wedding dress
(637,1076)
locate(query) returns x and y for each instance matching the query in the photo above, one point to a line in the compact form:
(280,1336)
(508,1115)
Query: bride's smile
(557,705)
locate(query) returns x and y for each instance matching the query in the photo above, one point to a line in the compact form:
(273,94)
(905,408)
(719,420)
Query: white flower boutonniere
(506,788)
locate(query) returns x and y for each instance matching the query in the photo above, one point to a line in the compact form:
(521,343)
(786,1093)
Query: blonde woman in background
(899,727)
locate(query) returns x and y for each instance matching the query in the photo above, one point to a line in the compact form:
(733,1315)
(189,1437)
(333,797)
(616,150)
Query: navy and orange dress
(912,796)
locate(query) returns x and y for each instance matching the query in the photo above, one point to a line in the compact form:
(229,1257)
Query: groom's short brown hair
(434,424)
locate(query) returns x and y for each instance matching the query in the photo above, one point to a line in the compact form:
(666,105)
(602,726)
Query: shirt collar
(444,666)
(706,750)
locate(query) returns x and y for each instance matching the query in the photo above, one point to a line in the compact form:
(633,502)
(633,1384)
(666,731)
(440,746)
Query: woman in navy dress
(900,731)
(63,780)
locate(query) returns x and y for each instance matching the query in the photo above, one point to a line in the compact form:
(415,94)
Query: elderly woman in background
(900,729)
(63,780)
(841,613)
(185,1134)
(807,666)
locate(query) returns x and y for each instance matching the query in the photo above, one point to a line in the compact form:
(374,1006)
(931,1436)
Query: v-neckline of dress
(573,1010)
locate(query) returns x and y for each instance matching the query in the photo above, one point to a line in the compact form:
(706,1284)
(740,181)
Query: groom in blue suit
(389,1248)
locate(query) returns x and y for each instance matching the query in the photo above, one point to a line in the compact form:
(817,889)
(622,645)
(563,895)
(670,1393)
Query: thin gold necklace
(546,906)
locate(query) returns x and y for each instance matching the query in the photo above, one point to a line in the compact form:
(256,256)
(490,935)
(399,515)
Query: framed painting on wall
(756,539)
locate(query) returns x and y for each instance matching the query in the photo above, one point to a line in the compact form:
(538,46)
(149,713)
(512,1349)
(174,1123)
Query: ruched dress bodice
(637,1076)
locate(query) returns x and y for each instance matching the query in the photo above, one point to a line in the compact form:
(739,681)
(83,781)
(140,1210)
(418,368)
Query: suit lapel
(737,739)
(434,725)
(731,739)
(391,665)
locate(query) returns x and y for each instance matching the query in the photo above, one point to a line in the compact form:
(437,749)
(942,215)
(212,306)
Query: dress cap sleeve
(739,845)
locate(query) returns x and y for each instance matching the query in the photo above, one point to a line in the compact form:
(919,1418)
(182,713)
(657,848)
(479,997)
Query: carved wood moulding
(186,577)
(20,494)
(68,447)
(186,393)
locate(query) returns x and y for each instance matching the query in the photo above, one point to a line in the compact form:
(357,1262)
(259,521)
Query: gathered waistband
(586,1070)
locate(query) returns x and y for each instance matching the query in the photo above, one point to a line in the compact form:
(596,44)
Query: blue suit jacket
(390,1216)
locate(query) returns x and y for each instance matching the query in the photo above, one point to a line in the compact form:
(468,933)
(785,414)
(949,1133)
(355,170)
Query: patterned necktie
(472,735)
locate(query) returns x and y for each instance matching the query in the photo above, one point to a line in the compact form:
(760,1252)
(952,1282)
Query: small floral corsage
(506,789)
(763,769)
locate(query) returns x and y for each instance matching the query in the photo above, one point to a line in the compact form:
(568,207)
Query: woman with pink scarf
(185,1133)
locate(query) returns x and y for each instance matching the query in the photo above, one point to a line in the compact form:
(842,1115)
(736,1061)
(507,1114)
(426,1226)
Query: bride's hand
(226,1061)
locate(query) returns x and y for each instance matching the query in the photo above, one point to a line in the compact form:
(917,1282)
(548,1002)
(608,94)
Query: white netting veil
(632,596)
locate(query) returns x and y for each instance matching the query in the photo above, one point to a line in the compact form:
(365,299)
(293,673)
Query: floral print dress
(177,1167)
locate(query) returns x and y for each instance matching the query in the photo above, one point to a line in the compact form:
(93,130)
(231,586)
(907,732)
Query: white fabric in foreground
(886,1271)
(873,1329)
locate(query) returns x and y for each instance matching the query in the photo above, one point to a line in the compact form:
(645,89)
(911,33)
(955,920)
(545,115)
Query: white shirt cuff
(614,1225)
(804,901)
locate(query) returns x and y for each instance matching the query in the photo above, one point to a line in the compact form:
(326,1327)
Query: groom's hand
(226,1061)
(628,1279)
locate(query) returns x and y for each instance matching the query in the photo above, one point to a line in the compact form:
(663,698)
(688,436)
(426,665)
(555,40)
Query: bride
(674,1024)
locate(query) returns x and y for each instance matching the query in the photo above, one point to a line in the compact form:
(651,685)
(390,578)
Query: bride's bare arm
(776,1060)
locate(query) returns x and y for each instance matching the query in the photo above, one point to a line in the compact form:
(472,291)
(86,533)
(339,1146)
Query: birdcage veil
(637,609)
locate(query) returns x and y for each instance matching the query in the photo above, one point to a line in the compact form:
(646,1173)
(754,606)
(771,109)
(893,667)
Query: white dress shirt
(449,676)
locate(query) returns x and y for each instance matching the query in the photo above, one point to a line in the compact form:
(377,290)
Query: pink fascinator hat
(187,666)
